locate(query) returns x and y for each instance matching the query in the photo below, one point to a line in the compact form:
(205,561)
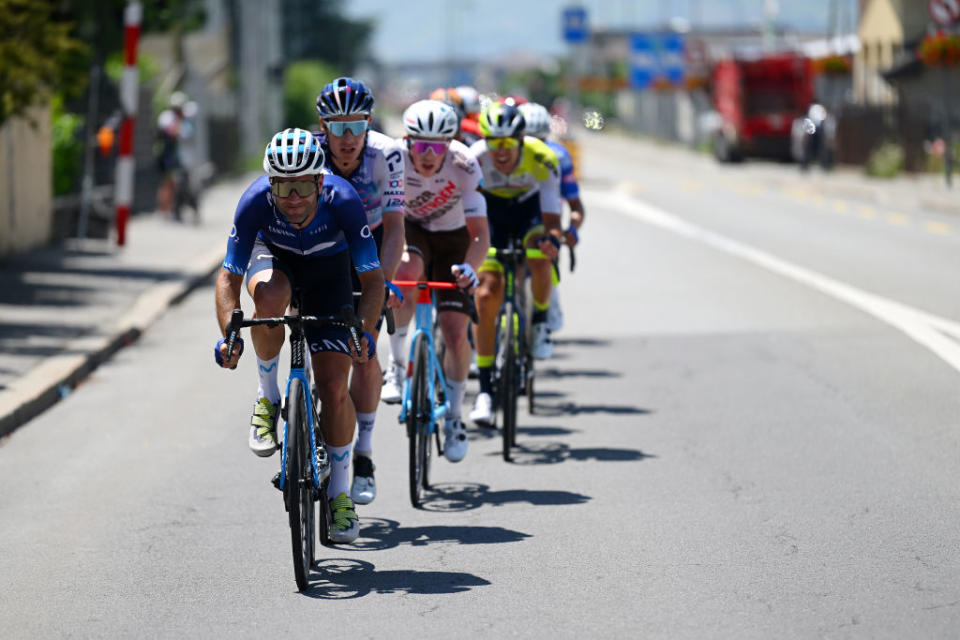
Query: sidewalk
(66,309)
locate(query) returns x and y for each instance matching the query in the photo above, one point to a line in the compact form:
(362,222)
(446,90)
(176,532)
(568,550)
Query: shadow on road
(485,433)
(346,578)
(379,533)
(573,409)
(581,342)
(467,496)
(557,452)
(577,373)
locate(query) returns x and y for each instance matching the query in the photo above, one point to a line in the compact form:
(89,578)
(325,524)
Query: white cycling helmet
(293,153)
(469,99)
(537,118)
(431,119)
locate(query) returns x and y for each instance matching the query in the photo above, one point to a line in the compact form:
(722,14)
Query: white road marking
(925,328)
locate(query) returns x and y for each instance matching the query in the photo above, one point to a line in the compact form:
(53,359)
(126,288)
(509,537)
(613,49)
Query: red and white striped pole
(123,193)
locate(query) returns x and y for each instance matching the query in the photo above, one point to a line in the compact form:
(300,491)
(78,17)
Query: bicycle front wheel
(507,387)
(418,422)
(299,483)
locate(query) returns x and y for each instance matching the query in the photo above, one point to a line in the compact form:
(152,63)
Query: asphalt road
(750,428)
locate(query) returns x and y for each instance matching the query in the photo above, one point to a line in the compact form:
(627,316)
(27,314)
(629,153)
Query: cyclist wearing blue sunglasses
(373,164)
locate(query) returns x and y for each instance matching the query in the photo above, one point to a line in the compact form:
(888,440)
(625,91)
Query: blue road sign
(672,57)
(575,24)
(644,64)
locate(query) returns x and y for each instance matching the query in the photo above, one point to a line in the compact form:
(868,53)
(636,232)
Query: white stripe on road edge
(923,327)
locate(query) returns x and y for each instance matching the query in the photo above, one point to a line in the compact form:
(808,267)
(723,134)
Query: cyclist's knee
(333,391)
(271,298)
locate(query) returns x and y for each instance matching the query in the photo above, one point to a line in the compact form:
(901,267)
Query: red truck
(756,101)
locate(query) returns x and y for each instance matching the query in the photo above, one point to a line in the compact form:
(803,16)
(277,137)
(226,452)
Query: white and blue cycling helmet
(293,153)
(344,97)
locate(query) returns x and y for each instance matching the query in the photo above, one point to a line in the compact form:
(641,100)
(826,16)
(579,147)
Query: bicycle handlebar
(347,319)
(448,286)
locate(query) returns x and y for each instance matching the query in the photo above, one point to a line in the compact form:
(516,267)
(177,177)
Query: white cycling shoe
(364,488)
(542,343)
(482,413)
(455,440)
(392,392)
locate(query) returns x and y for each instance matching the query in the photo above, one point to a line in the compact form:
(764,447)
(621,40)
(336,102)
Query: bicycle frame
(426,303)
(298,372)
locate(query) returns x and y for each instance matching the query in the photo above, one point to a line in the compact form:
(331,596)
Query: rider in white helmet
(445,224)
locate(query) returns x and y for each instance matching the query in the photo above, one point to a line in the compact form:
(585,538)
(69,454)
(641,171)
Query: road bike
(424,399)
(304,465)
(514,372)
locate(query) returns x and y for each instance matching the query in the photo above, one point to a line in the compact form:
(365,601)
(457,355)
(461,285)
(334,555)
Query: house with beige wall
(26,189)
(887,28)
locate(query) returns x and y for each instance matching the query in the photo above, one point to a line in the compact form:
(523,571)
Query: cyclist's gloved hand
(465,271)
(549,245)
(395,290)
(572,237)
(219,351)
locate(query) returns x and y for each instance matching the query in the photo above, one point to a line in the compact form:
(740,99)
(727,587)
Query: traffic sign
(944,12)
(575,24)
(672,57)
(643,61)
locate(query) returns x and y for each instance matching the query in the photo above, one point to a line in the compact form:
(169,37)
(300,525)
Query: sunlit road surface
(750,429)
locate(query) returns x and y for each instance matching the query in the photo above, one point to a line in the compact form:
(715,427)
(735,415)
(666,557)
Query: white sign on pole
(944,12)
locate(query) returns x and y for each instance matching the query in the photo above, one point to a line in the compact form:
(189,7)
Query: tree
(316,30)
(38,54)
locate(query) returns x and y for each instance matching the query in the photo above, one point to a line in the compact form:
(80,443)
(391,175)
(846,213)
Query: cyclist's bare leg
(271,294)
(456,363)
(331,371)
(411,268)
(489,297)
(540,278)
(337,415)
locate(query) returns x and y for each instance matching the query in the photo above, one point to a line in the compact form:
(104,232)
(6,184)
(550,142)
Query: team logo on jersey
(365,231)
(432,205)
(233,231)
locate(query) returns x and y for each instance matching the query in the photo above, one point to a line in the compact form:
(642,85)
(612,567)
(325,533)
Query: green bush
(302,81)
(67,148)
(886,161)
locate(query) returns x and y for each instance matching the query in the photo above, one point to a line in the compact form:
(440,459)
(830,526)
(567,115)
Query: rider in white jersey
(373,164)
(447,237)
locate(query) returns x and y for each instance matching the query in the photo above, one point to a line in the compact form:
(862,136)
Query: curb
(55,377)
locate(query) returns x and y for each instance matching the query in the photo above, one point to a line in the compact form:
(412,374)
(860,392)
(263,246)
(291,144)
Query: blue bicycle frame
(426,303)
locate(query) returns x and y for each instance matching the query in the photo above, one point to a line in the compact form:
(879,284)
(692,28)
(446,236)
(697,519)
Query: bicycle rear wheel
(507,387)
(299,484)
(418,423)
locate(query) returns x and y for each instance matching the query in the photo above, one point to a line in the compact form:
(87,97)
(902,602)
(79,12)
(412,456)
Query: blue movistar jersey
(568,179)
(340,224)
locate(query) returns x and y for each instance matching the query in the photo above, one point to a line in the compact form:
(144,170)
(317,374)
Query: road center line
(925,328)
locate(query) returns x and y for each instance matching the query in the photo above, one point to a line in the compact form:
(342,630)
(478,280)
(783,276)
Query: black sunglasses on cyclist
(303,188)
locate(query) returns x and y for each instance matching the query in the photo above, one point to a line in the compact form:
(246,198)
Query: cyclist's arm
(372,284)
(393,200)
(393,240)
(249,217)
(228,297)
(479,231)
(475,212)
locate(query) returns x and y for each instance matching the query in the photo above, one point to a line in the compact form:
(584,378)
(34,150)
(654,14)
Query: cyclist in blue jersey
(373,164)
(298,228)
(538,121)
